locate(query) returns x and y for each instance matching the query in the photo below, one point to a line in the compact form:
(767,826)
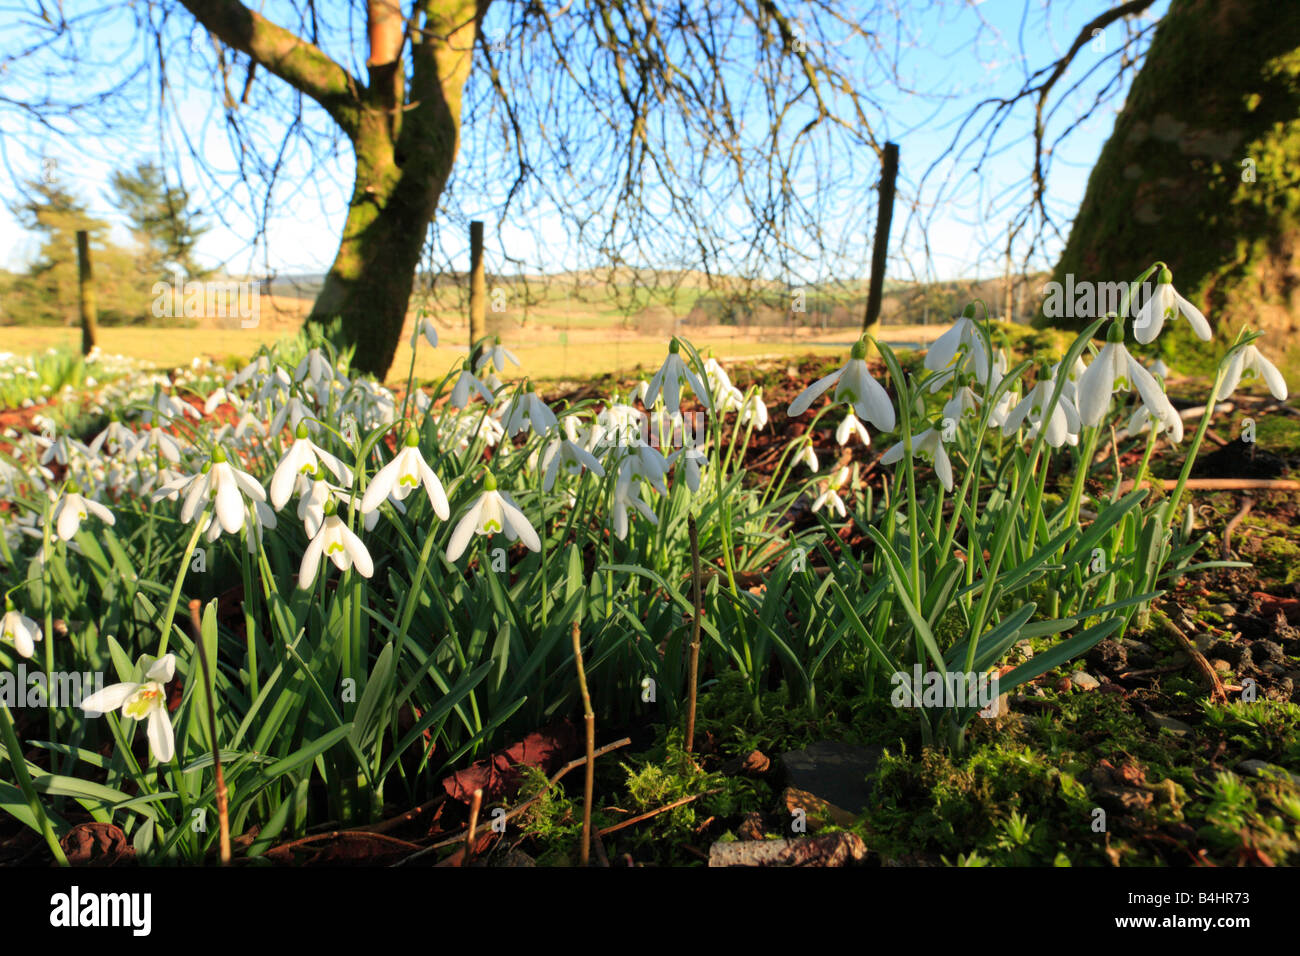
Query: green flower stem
(19,764)
(170,614)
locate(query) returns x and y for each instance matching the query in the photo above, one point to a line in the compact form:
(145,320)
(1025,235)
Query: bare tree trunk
(86,286)
(1200,169)
(477,287)
(404,136)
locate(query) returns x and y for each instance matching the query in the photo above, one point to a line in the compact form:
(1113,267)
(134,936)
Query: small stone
(1063,685)
(816,812)
(836,772)
(751,827)
(1225,610)
(1264,770)
(1025,648)
(1220,665)
(1204,641)
(1084,681)
(1161,722)
(1267,651)
(832,849)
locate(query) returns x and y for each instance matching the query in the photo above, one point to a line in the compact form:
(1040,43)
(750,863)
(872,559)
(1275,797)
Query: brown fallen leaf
(499,776)
(97,844)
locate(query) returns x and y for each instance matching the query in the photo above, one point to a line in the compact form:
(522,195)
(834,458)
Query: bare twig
(475,803)
(1217,693)
(1225,547)
(1220,484)
(589,716)
(459,836)
(654,813)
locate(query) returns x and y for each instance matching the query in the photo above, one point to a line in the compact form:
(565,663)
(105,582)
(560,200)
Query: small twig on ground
(1217,693)
(654,813)
(1225,547)
(589,717)
(459,836)
(475,803)
(1220,484)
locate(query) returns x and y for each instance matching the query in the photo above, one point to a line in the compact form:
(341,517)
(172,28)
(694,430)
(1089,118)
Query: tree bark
(1200,170)
(404,136)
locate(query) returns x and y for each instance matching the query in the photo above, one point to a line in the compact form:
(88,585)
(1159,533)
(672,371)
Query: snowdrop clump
(433,548)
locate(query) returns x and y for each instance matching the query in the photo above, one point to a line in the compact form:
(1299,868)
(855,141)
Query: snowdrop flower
(425,327)
(848,428)
(963,404)
(627,496)
(1159,369)
(316,366)
(1070,389)
(1062,426)
(224,486)
(311,503)
(647,462)
(753,410)
(567,453)
(159,441)
(1165,303)
(338,543)
(497,354)
(808,456)
(668,381)
(928,446)
(959,341)
(20,630)
(296,414)
(830,494)
(113,438)
(1142,420)
(528,412)
(726,396)
(140,701)
(1115,370)
(217,398)
(58,450)
(302,458)
(1246,364)
(692,461)
(493,512)
(460,392)
(406,472)
(72,509)
(854,386)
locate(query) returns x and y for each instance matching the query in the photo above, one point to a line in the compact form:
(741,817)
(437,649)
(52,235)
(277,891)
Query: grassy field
(547,352)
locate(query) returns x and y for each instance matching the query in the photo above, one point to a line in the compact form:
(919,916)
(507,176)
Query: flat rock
(1161,722)
(832,849)
(1084,681)
(1264,769)
(836,772)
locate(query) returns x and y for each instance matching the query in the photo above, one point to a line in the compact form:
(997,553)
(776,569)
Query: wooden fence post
(477,289)
(86,287)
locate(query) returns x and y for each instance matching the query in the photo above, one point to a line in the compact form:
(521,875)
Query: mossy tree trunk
(1201,169)
(404,136)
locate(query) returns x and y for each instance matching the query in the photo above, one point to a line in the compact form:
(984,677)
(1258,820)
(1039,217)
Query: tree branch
(300,64)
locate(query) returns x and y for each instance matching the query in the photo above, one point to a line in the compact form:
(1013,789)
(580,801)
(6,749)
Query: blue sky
(954,54)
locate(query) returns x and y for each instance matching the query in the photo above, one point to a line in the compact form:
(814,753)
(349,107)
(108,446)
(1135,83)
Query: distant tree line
(164,227)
